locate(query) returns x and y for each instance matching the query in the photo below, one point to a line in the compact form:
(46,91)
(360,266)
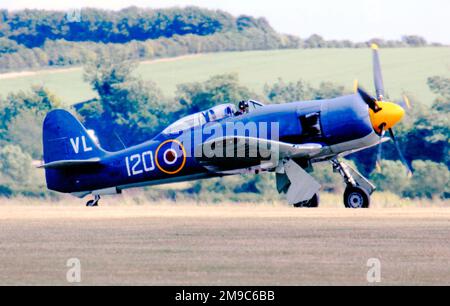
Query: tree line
(36,38)
(62,53)
(32,28)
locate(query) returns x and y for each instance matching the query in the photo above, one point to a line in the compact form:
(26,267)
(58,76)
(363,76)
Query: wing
(239,152)
(60,164)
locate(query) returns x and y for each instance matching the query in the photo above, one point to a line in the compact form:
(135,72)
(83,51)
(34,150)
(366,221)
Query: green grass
(405,70)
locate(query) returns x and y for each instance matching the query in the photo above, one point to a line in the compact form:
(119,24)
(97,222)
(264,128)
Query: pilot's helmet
(243,105)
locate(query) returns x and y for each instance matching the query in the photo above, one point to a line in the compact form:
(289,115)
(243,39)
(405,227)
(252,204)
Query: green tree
(392,177)
(315,41)
(414,40)
(128,110)
(195,97)
(25,130)
(282,92)
(440,86)
(39,100)
(430,180)
(8,46)
(23,114)
(330,180)
(328,90)
(14,164)
(428,136)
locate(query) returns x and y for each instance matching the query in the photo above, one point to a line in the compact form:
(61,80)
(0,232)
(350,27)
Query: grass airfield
(226,244)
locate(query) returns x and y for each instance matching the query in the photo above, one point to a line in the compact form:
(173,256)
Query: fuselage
(339,125)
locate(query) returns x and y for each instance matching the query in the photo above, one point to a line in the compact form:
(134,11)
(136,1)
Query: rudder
(65,138)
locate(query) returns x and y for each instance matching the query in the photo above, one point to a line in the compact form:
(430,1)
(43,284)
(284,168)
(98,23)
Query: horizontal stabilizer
(60,164)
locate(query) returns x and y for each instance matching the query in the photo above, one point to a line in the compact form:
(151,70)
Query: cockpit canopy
(213,114)
(252,105)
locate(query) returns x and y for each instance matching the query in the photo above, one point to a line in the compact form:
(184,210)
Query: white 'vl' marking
(76,144)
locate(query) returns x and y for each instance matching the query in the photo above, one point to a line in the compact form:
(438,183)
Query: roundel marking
(170,157)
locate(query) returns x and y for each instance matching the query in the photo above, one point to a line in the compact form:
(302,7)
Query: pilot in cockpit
(243,108)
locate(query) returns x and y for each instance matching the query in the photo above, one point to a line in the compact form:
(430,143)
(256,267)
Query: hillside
(32,28)
(39,39)
(405,69)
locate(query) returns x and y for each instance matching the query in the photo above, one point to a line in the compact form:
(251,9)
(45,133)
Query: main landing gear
(358,191)
(94,202)
(356,197)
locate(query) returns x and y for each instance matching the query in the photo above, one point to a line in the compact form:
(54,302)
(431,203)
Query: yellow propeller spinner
(386,118)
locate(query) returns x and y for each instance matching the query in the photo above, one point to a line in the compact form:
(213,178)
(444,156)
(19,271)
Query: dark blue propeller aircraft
(286,139)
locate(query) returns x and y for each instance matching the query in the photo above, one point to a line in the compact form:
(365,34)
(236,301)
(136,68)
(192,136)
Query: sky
(357,20)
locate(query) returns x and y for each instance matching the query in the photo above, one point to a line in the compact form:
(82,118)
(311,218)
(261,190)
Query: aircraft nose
(389,115)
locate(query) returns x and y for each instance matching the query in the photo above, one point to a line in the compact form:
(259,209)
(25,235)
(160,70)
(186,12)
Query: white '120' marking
(76,144)
(133,163)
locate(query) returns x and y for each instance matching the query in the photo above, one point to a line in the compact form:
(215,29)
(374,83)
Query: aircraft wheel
(93,203)
(356,197)
(313,203)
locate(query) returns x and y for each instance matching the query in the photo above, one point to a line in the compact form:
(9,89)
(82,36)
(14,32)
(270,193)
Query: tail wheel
(313,203)
(94,202)
(356,197)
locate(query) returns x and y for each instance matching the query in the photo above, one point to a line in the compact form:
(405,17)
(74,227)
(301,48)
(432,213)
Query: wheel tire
(356,197)
(313,203)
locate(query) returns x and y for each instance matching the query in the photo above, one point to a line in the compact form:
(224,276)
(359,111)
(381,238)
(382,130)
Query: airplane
(285,139)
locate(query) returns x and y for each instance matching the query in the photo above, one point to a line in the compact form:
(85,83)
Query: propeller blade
(371,101)
(355,86)
(378,163)
(380,149)
(377,74)
(405,103)
(400,153)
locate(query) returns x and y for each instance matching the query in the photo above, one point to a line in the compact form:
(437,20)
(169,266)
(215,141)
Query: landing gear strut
(358,191)
(94,202)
